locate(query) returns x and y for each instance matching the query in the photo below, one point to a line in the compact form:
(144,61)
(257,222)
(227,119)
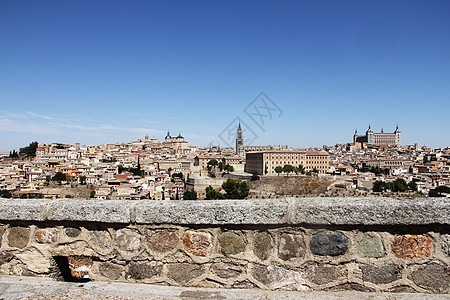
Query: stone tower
(398,137)
(239,142)
(370,136)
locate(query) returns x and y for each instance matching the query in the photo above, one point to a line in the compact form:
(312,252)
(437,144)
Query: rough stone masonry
(363,244)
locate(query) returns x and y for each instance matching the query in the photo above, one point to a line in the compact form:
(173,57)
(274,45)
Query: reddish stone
(409,246)
(197,243)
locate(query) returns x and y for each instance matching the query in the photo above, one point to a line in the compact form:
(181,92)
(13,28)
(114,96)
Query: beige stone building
(177,144)
(265,162)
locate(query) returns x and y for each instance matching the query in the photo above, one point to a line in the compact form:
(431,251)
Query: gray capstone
(314,211)
(23,209)
(111,211)
(370,211)
(213,212)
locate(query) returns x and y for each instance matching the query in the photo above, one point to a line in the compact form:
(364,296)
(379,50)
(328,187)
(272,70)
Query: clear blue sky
(99,72)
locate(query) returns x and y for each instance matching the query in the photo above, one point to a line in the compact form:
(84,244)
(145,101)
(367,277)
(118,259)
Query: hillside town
(173,169)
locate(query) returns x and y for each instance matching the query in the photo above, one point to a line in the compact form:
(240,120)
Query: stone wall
(376,244)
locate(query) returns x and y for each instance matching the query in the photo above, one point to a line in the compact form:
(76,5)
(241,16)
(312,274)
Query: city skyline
(99,72)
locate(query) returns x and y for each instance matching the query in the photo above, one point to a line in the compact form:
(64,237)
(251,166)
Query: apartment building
(265,162)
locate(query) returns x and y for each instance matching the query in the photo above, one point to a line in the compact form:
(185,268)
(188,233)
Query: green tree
(135,171)
(179,175)
(378,171)
(59,176)
(190,195)
(212,194)
(108,160)
(82,179)
(213,163)
(399,185)
(288,169)
(301,169)
(438,191)
(13,154)
(315,171)
(236,189)
(5,194)
(30,150)
(228,168)
(278,170)
(379,186)
(92,194)
(412,185)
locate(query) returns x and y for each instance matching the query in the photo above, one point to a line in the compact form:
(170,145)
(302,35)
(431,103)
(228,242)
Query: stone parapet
(327,244)
(292,211)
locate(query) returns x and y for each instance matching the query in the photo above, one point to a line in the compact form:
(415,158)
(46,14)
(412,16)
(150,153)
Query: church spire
(239,142)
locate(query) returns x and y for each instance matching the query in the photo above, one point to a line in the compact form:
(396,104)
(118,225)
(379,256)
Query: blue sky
(99,72)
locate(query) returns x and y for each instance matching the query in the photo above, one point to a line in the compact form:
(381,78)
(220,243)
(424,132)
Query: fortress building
(379,138)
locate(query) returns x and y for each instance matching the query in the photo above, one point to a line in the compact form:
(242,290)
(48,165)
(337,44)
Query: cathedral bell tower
(239,142)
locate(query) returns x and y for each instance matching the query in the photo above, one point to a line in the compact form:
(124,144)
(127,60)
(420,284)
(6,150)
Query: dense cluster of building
(142,169)
(149,169)
(361,163)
